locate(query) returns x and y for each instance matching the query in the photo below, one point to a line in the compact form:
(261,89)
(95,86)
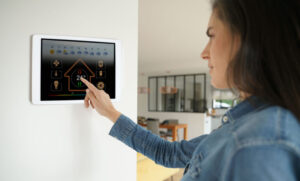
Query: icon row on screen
(79,52)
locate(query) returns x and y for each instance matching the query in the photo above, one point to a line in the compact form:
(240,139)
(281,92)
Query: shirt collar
(248,105)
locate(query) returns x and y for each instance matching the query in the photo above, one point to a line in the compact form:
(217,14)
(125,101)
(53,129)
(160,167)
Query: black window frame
(184,92)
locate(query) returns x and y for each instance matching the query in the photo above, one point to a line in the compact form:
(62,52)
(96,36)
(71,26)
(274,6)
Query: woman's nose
(205,53)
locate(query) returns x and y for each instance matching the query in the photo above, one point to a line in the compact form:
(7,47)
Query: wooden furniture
(174,128)
(148,170)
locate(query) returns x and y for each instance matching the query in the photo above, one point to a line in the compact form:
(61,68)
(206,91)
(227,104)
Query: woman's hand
(100,101)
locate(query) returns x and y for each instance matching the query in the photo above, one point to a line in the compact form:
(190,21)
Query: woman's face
(219,50)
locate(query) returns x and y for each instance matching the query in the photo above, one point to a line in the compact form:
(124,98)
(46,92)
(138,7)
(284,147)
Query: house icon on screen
(73,74)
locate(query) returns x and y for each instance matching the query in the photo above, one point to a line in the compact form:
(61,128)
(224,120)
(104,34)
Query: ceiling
(172,36)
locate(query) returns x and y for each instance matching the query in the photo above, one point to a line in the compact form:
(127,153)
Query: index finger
(89,85)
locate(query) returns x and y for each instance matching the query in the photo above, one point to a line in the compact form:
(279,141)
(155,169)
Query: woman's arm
(168,154)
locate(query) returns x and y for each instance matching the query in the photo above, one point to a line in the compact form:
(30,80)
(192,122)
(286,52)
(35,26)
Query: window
(177,93)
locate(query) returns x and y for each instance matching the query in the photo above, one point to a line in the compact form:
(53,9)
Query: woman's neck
(244,95)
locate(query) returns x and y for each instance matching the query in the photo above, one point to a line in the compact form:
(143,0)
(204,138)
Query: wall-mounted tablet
(58,62)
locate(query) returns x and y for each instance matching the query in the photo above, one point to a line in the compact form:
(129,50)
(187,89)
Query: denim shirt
(256,142)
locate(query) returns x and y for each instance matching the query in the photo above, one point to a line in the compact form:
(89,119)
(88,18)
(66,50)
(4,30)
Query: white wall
(172,35)
(62,142)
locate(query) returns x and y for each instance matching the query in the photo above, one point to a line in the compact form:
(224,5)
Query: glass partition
(161,102)
(170,94)
(200,101)
(152,94)
(189,94)
(177,93)
(179,96)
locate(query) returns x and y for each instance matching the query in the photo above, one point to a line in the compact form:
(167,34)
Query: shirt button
(225,119)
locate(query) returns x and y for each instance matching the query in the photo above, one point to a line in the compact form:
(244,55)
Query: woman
(254,48)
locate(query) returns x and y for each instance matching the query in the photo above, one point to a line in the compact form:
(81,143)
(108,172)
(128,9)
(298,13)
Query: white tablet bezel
(36,67)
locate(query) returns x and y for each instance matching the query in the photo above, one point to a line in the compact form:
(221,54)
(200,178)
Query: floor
(177,176)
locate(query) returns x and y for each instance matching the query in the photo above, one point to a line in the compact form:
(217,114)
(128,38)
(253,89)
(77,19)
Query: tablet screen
(63,62)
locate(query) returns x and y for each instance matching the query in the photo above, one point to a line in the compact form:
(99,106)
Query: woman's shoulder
(269,126)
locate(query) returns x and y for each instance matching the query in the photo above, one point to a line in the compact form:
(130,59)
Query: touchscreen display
(63,62)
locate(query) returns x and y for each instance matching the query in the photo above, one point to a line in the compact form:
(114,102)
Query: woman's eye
(210,35)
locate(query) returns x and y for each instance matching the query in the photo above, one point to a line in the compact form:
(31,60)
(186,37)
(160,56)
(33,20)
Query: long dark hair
(267,64)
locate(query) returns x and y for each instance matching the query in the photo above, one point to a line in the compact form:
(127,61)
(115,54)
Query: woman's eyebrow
(207,31)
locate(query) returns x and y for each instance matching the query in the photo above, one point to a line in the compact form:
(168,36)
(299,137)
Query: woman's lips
(210,69)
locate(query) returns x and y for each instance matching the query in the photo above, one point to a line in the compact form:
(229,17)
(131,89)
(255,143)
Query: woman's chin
(218,84)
